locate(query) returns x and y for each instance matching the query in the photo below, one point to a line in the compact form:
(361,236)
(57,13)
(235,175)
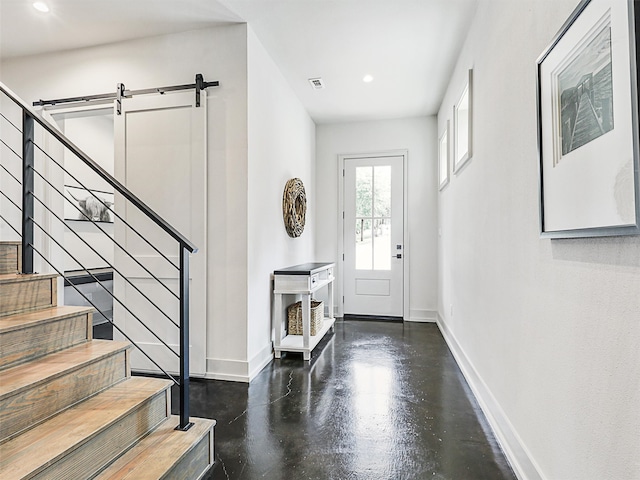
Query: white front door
(160,155)
(373,236)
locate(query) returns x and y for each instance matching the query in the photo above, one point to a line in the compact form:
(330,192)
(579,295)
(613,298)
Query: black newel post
(27,192)
(184,340)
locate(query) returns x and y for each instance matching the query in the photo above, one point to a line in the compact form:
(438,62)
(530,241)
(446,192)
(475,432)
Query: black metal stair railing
(29,201)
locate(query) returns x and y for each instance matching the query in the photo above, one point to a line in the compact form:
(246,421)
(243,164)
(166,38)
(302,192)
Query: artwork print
(443,157)
(586,94)
(588,135)
(88,205)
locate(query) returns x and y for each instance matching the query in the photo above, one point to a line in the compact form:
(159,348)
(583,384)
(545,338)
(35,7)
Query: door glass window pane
(382,191)
(364,246)
(382,244)
(364,191)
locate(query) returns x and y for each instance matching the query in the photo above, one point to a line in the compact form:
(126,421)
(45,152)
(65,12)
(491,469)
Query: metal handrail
(57,190)
(57,217)
(29,119)
(112,295)
(102,173)
(87,299)
(116,214)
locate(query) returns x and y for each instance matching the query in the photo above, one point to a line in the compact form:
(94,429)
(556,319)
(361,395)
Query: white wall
(418,136)
(281,146)
(546,331)
(259,136)
(219,54)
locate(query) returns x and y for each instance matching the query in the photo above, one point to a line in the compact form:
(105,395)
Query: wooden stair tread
(155,454)
(30,374)
(21,320)
(65,432)
(22,277)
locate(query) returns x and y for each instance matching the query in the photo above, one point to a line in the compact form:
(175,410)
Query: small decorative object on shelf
(294,315)
(294,207)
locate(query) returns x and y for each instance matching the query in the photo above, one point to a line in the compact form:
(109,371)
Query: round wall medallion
(294,207)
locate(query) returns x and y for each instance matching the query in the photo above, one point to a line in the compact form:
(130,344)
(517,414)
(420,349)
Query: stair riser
(10,258)
(195,463)
(93,455)
(29,343)
(25,296)
(33,405)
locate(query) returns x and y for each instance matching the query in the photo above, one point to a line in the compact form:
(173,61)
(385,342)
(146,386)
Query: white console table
(301,280)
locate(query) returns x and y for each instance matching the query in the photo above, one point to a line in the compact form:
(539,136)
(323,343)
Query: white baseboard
(239,370)
(516,452)
(230,370)
(422,316)
(259,361)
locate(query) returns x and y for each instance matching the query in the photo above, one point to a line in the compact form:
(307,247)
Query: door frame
(406,248)
(57,176)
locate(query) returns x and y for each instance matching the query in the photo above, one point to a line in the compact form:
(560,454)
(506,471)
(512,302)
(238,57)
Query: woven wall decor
(294,207)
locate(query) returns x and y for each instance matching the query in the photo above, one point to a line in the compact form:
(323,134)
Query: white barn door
(160,155)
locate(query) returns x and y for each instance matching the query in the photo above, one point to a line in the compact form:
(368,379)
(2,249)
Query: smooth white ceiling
(409,46)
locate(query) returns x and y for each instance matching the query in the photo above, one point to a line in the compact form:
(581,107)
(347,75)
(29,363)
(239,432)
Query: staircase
(69,407)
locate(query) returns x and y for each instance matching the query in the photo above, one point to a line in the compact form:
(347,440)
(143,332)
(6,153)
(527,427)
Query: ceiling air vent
(317,83)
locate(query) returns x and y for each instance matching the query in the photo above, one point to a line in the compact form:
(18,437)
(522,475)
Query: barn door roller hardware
(121,92)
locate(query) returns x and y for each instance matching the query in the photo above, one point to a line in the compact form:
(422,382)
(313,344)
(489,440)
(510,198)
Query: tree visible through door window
(373,218)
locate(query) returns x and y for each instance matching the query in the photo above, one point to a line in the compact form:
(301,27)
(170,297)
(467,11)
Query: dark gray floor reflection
(379,400)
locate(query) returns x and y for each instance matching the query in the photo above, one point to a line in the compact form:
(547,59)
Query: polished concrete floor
(379,400)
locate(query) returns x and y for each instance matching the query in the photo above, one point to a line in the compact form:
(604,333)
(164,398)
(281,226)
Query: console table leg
(277,315)
(306,320)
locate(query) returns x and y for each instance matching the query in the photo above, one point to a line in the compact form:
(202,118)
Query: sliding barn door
(160,155)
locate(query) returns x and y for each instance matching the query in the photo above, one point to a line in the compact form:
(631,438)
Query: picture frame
(463,124)
(587,109)
(82,205)
(443,157)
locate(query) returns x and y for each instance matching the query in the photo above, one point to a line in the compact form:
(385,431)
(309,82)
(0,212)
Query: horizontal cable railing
(40,210)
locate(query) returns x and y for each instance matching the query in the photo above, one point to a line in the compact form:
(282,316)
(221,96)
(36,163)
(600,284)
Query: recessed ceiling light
(367,79)
(41,7)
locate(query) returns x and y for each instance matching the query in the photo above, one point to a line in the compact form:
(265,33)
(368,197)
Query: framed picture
(588,124)
(443,157)
(87,205)
(462,124)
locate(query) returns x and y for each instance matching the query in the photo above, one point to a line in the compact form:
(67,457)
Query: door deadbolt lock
(399,255)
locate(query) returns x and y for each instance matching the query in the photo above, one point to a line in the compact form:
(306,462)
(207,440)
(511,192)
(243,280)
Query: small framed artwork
(88,205)
(462,124)
(587,102)
(443,157)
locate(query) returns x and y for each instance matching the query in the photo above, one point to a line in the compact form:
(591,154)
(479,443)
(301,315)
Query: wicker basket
(294,314)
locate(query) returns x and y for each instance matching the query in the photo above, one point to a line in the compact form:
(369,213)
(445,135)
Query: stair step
(24,293)
(27,336)
(10,257)
(81,441)
(34,391)
(167,454)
